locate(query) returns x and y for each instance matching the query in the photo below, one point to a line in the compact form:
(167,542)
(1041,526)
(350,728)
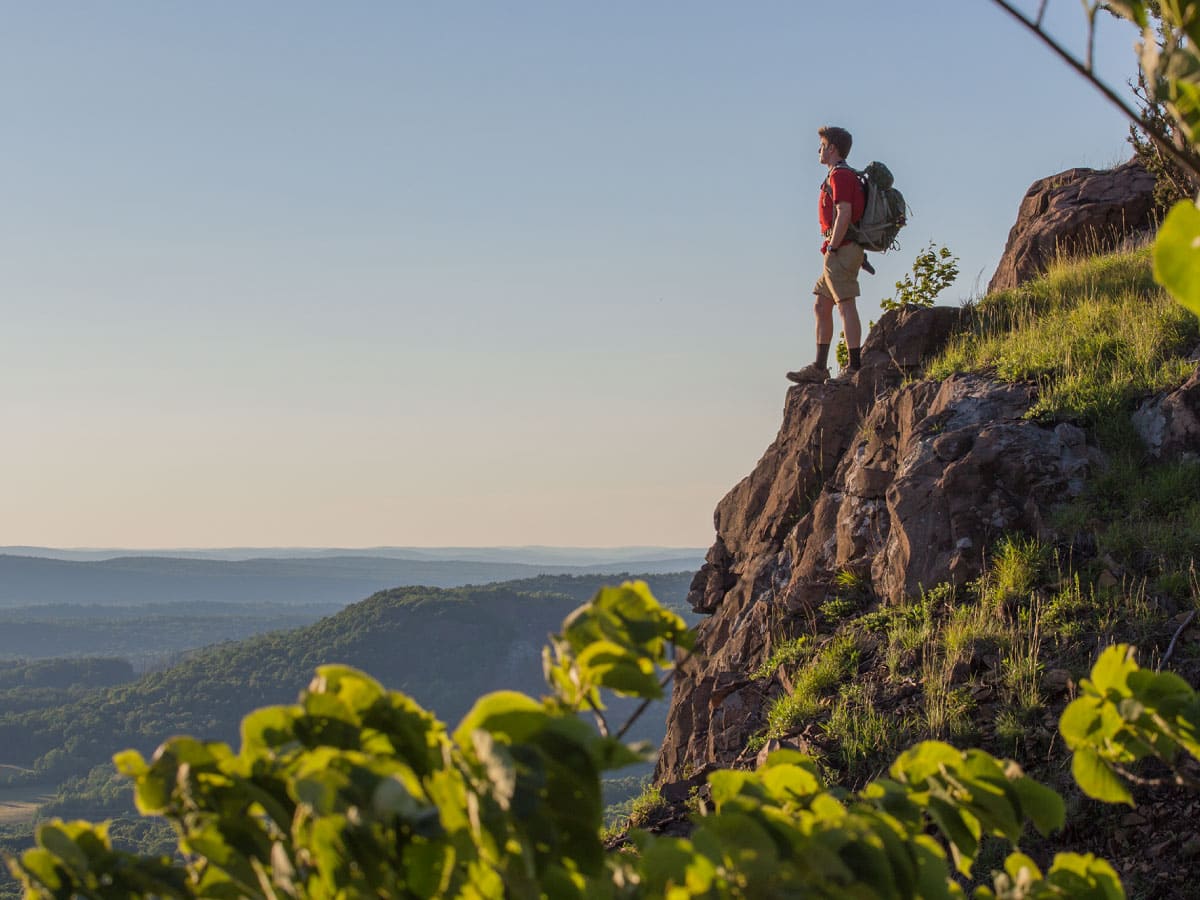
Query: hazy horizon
(563,555)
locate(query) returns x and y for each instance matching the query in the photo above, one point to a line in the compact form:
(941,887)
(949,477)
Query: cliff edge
(899,486)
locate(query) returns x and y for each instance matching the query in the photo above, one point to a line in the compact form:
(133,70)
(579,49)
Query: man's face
(826,153)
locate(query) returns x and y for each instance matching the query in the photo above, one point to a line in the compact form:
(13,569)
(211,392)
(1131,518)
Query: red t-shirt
(844,187)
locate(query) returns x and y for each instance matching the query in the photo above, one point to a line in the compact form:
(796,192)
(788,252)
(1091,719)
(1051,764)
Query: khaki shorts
(839,274)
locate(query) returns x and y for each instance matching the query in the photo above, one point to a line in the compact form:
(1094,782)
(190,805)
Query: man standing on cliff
(841,205)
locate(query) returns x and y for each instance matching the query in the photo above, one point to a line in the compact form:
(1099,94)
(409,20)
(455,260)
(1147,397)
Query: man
(841,205)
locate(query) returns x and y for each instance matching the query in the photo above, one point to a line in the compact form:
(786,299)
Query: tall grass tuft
(861,729)
(835,662)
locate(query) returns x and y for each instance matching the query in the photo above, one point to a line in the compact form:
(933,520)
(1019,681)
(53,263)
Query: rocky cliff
(901,485)
(895,485)
(916,558)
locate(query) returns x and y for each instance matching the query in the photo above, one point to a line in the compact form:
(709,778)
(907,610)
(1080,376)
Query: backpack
(885,212)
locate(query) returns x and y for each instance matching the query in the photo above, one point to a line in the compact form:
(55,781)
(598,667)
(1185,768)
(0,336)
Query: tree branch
(1178,631)
(666,679)
(601,722)
(1189,162)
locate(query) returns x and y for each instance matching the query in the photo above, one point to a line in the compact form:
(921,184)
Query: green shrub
(933,271)
(646,807)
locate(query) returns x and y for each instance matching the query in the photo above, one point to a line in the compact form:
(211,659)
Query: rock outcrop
(1170,425)
(904,485)
(1080,210)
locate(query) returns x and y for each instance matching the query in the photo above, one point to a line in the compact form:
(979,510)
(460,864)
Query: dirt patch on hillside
(19,805)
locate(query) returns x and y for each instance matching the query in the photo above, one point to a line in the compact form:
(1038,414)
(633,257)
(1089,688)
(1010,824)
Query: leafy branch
(357,791)
(933,271)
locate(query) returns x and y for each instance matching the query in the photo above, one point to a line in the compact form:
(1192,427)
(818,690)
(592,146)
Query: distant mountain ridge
(336,579)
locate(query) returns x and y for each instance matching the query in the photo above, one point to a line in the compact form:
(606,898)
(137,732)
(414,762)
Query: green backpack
(885,212)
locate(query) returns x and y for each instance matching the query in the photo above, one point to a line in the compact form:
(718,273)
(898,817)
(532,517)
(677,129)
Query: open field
(20,804)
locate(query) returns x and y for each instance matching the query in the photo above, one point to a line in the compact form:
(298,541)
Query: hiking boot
(845,376)
(810,374)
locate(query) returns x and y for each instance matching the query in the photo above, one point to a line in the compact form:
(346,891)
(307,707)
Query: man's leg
(852,329)
(818,371)
(823,310)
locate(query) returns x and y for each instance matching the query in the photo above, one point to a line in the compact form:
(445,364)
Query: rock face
(1170,425)
(1077,210)
(904,485)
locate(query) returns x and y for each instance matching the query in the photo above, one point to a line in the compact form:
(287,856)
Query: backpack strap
(852,232)
(842,164)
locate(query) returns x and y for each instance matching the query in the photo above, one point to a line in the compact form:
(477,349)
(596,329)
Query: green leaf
(428,867)
(960,828)
(1042,805)
(498,765)
(268,729)
(1112,670)
(788,783)
(933,881)
(152,791)
(1177,254)
(609,665)
(1096,779)
(1016,862)
(358,690)
(1133,10)
(918,763)
(1081,721)
(130,763)
(739,842)
(1084,875)
(669,863)
(1154,689)
(53,836)
(726,784)
(507,713)
(788,757)
(41,865)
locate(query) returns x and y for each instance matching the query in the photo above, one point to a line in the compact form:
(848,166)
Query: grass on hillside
(1093,334)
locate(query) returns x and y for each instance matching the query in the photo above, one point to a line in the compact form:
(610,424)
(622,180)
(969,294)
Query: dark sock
(856,358)
(823,356)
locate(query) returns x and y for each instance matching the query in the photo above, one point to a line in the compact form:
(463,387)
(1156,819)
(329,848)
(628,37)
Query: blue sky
(465,273)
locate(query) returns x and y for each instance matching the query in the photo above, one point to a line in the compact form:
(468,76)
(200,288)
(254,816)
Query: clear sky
(464,273)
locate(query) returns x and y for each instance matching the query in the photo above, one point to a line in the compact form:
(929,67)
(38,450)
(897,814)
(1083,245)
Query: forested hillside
(444,647)
(62,720)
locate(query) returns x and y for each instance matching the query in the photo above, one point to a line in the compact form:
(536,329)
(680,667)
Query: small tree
(1172,183)
(933,271)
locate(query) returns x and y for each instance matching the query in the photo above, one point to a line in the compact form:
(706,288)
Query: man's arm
(841,224)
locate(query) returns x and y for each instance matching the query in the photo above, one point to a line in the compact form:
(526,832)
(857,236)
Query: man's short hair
(839,137)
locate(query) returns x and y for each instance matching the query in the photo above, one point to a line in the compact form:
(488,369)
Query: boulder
(1079,210)
(1169,424)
